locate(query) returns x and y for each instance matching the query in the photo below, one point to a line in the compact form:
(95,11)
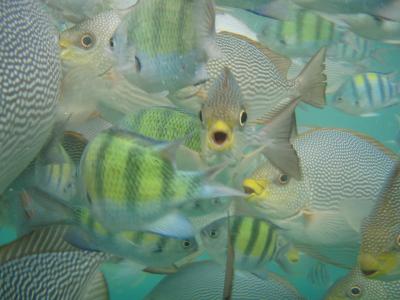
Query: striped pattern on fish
(30,75)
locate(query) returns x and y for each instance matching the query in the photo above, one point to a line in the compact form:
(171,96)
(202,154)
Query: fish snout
(369,265)
(255,187)
(220,137)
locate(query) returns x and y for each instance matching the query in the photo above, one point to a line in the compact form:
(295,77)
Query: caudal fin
(311,83)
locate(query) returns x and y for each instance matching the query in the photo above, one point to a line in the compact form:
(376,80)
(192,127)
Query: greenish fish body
(379,252)
(30,73)
(148,248)
(300,35)
(42,265)
(321,213)
(205,280)
(128,179)
(254,241)
(356,286)
(166,124)
(164,45)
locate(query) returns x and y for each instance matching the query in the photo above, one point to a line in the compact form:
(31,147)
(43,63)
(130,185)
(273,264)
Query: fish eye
(87,41)
(201,116)
(186,244)
(213,233)
(283,179)
(243,117)
(340,99)
(355,291)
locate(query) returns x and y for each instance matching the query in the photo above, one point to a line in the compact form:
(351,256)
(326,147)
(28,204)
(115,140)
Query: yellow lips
(220,136)
(374,267)
(65,46)
(255,188)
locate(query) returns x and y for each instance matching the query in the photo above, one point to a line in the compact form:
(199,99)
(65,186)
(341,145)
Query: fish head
(223,114)
(379,256)
(202,207)
(271,191)
(214,237)
(343,99)
(90,42)
(176,249)
(355,286)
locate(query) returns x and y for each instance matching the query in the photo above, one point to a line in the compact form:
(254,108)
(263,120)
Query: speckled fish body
(356,286)
(42,265)
(205,280)
(379,257)
(342,176)
(30,73)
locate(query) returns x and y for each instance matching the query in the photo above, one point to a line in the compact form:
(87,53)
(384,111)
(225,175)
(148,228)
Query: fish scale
(29,84)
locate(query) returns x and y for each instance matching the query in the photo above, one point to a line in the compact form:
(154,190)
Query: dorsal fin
(45,240)
(282,63)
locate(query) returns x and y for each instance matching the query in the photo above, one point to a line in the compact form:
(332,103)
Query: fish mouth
(253,187)
(369,265)
(220,137)
(369,272)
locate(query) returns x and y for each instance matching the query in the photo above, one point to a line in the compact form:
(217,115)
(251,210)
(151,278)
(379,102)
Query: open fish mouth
(220,137)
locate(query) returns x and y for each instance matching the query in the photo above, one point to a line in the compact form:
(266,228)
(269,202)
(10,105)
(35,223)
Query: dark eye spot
(243,117)
(87,41)
(112,43)
(355,291)
(138,65)
(339,99)
(213,233)
(201,116)
(186,244)
(283,179)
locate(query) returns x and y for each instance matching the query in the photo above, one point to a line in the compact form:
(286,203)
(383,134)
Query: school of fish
(178,139)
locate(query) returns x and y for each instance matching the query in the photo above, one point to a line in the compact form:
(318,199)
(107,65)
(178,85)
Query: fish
(128,180)
(255,241)
(301,35)
(30,85)
(387,9)
(166,124)
(366,93)
(205,280)
(379,257)
(251,62)
(86,42)
(167,55)
(321,213)
(50,268)
(356,286)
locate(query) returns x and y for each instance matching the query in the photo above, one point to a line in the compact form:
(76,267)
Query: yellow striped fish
(365,93)
(129,180)
(255,241)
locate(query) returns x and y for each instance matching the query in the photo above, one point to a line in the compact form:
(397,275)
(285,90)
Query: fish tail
(205,22)
(311,83)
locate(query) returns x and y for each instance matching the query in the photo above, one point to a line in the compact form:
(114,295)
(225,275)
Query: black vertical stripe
(255,230)
(101,164)
(264,253)
(132,175)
